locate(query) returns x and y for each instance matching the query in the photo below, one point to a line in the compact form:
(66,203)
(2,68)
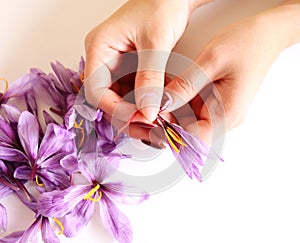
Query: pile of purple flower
(49,135)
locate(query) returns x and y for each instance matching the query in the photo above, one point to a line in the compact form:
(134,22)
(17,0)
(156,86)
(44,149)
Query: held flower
(189,151)
(76,203)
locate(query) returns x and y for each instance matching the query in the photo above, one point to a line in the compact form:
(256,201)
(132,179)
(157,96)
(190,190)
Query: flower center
(62,228)
(89,196)
(173,137)
(81,129)
(6,84)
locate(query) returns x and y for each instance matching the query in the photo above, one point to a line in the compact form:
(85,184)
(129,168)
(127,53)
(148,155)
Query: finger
(149,81)
(185,86)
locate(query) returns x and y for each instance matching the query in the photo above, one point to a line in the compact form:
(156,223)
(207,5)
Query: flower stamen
(37,181)
(82,77)
(76,88)
(81,129)
(92,192)
(172,137)
(6,84)
(62,228)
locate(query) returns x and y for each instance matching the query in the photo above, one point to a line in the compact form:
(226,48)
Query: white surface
(250,198)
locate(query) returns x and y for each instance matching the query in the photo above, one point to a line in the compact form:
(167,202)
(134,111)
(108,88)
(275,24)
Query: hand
(236,62)
(137,25)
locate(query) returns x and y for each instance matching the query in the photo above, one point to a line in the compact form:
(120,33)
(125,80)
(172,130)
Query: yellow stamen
(76,88)
(82,77)
(171,136)
(92,192)
(62,228)
(81,129)
(37,181)
(175,136)
(6,84)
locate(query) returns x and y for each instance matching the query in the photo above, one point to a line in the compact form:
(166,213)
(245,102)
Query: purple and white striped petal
(13,237)
(48,234)
(3,218)
(115,221)
(31,234)
(59,203)
(28,131)
(23,172)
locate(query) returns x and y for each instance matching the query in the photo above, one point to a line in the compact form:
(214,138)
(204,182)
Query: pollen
(6,84)
(89,196)
(81,129)
(172,137)
(37,181)
(62,228)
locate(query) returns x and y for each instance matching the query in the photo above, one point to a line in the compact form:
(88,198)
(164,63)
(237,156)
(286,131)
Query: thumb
(149,81)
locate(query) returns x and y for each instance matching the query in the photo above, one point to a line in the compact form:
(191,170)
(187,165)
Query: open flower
(76,203)
(44,159)
(189,151)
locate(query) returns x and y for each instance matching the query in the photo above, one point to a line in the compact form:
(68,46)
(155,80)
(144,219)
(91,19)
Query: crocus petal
(12,112)
(31,234)
(56,179)
(59,203)
(4,191)
(48,234)
(69,162)
(115,221)
(12,154)
(3,218)
(23,172)
(69,118)
(48,118)
(86,112)
(28,130)
(7,133)
(19,87)
(98,168)
(13,237)
(64,75)
(79,217)
(117,191)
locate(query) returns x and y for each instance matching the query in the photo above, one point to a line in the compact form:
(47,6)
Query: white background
(252,197)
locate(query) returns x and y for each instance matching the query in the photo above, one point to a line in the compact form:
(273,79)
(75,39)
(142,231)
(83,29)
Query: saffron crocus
(189,151)
(43,159)
(41,224)
(76,203)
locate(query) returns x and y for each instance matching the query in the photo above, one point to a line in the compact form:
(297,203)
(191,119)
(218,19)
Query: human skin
(235,61)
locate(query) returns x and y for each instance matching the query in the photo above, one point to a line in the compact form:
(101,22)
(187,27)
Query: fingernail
(166,101)
(153,145)
(149,106)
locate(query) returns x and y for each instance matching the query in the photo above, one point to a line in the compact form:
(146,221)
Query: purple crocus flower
(41,224)
(76,203)
(46,161)
(189,151)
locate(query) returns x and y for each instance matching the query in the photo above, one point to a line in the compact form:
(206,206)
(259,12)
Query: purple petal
(115,221)
(96,167)
(12,154)
(7,133)
(23,172)
(13,237)
(69,162)
(28,130)
(48,234)
(18,88)
(64,75)
(56,179)
(48,118)
(3,218)
(4,191)
(79,217)
(54,139)
(31,234)
(12,112)
(117,191)
(86,112)
(81,66)
(59,203)
(70,118)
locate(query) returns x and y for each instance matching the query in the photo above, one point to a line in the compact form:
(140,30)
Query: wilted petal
(59,203)
(23,172)
(48,234)
(13,237)
(115,221)
(80,216)
(3,218)
(28,130)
